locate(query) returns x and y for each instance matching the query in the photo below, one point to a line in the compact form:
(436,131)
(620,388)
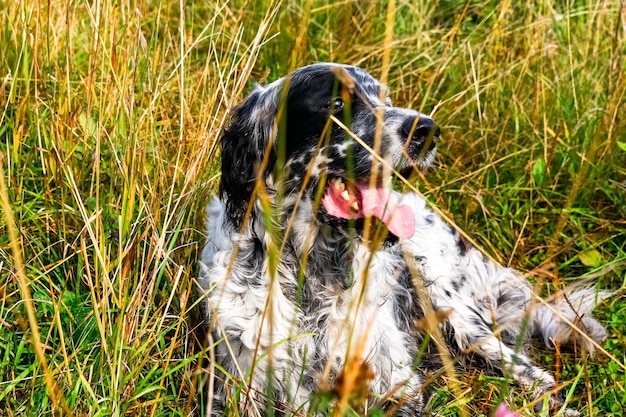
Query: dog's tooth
(355,206)
(345,195)
(338,183)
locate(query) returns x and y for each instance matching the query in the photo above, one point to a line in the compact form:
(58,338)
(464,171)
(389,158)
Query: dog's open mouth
(357,200)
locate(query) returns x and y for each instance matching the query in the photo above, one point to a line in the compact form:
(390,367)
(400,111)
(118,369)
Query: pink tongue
(400,220)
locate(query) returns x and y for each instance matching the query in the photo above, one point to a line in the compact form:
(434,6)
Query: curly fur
(297,285)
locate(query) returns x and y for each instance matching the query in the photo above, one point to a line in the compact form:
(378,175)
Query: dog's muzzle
(421,135)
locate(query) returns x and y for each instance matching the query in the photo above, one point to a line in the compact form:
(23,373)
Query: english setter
(314,262)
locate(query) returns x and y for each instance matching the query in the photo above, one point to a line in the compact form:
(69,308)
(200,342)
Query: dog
(313,263)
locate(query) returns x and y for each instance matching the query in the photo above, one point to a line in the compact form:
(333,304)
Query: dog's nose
(420,129)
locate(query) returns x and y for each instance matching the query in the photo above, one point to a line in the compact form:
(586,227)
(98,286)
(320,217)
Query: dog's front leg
(480,338)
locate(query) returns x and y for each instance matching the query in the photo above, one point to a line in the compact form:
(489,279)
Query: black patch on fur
(407,306)
(244,143)
(462,244)
(459,283)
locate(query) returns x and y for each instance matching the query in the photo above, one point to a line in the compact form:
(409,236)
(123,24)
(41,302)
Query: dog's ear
(245,141)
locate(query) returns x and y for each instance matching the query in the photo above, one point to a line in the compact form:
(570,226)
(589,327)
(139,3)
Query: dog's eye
(336,104)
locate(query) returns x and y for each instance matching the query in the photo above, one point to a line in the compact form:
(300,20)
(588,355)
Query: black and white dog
(313,262)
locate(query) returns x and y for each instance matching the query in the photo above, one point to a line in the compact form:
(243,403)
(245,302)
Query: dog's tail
(568,320)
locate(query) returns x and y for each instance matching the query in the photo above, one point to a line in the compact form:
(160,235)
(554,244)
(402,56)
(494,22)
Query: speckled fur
(287,324)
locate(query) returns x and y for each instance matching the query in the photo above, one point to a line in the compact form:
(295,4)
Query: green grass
(109,116)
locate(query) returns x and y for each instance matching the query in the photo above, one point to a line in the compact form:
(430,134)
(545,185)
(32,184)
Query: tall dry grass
(110,116)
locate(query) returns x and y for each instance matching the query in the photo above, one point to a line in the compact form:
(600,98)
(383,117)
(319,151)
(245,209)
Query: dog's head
(329,131)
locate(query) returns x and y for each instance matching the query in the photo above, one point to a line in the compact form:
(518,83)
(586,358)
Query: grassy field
(110,112)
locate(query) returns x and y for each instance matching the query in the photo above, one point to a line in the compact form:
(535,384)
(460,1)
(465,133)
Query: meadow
(110,113)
